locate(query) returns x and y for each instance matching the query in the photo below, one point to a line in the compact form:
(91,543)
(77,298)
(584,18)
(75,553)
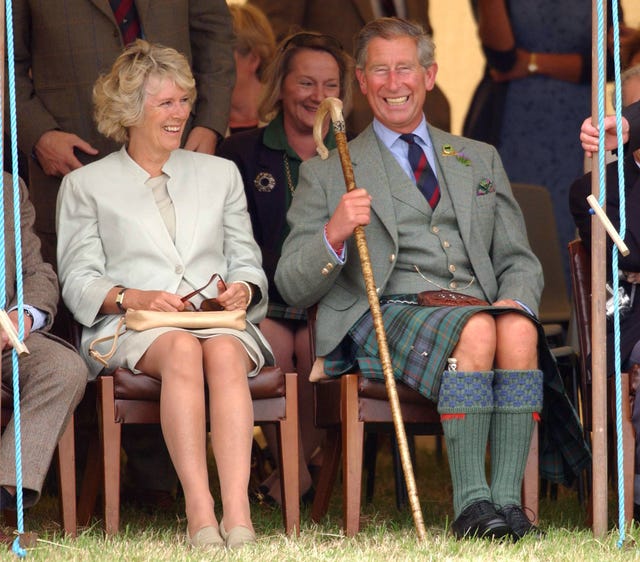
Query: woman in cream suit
(140,228)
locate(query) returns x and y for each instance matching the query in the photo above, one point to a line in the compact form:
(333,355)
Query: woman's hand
(236,297)
(519,70)
(141,300)
(152,300)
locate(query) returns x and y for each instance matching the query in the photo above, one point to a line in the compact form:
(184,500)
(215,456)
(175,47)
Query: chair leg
(289,468)
(331,452)
(531,481)
(67,478)
(111,436)
(352,444)
(90,484)
(370,454)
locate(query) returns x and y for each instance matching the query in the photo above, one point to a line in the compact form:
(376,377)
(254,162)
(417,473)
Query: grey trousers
(52,382)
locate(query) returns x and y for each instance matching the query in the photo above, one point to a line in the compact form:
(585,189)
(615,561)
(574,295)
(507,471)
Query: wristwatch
(120,298)
(27,312)
(532,67)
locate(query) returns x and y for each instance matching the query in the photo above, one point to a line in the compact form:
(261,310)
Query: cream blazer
(110,232)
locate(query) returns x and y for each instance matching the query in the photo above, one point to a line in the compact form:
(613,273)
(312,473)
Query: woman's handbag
(140,320)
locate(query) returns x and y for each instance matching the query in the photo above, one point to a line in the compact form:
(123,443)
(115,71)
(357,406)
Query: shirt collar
(389,137)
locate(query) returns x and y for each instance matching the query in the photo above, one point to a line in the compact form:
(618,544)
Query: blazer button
(325,271)
(453,285)
(179,269)
(435,229)
(445,244)
(452,268)
(392,258)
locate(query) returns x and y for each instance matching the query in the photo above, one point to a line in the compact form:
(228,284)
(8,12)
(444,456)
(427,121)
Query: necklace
(439,286)
(287,172)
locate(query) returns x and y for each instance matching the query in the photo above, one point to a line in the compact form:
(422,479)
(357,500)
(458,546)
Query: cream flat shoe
(238,536)
(207,537)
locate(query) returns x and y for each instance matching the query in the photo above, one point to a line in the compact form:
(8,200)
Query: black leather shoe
(519,522)
(481,519)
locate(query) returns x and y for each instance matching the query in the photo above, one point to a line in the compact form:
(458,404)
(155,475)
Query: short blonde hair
(280,67)
(253,34)
(118,96)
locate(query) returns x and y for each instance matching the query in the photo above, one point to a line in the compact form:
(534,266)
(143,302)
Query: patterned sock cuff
(466,392)
(517,391)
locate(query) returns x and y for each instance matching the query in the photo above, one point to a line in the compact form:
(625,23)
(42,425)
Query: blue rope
(622,231)
(614,269)
(17,549)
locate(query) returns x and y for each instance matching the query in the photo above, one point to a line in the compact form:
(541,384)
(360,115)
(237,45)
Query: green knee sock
(518,400)
(465,405)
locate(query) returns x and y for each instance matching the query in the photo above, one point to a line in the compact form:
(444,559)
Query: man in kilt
(441,219)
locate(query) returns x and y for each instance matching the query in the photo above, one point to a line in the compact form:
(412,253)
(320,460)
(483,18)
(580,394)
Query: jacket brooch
(264,182)
(448,150)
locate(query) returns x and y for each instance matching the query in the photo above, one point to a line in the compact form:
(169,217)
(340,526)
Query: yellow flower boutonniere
(448,150)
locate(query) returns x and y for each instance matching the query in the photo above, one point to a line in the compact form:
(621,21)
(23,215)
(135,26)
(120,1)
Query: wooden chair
(125,398)
(66,461)
(555,307)
(580,262)
(345,406)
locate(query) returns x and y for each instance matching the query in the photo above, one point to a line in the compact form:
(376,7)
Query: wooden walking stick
(333,106)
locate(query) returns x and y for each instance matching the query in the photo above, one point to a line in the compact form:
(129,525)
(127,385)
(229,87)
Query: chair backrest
(537,208)
(580,264)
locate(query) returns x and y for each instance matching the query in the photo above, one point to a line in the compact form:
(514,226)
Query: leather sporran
(140,320)
(448,298)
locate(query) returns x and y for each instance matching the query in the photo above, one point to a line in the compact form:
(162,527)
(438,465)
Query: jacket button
(453,285)
(452,268)
(435,229)
(392,258)
(179,269)
(446,244)
(325,271)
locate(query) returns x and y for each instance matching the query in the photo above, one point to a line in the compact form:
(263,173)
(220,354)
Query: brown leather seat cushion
(128,386)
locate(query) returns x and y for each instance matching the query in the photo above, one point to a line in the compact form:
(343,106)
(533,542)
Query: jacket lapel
(105,8)
(369,166)
(456,178)
(143,7)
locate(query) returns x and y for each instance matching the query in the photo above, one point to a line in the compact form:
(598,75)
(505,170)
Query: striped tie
(425,178)
(127,18)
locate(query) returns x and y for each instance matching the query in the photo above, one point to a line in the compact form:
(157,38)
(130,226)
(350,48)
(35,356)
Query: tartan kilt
(420,340)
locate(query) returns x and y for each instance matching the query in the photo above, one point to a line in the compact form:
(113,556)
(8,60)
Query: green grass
(386,534)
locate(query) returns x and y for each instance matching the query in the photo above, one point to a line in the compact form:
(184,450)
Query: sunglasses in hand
(207,305)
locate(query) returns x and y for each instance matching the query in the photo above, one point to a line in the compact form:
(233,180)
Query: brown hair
(271,104)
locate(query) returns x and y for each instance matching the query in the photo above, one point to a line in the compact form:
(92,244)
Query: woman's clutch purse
(140,320)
